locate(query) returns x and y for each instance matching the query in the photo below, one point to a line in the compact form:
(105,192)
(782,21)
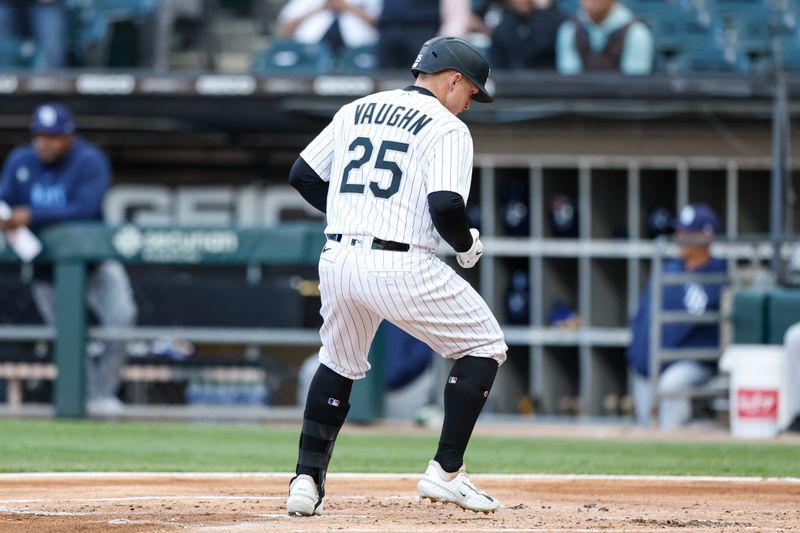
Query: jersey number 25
(381,163)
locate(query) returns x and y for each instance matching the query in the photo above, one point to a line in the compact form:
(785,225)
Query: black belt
(377,244)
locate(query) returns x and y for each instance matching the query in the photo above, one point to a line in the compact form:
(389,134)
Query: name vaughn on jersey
(391,115)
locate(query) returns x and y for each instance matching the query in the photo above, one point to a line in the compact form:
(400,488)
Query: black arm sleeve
(449,216)
(308,183)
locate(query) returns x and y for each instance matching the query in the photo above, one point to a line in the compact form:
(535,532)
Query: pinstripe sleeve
(450,163)
(319,153)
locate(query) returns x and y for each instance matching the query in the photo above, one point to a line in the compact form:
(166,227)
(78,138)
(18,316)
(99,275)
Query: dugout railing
(745,271)
(71,248)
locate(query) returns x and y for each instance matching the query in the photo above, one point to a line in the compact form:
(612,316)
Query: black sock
(327,405)
(467,388)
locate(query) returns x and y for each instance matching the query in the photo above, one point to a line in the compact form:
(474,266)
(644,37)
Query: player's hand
(20,216)
(470,258)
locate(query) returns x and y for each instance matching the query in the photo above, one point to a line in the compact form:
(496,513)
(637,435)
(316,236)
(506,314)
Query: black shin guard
(327,405)
(467,388)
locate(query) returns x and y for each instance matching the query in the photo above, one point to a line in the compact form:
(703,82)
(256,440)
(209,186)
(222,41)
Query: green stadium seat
(358,59)
(291,56)
(663,7)
(753,8)
(709,59)
(749,317)
(684,32)
(790,47)
(783,310)
(12,54)
(568,7)
(125,8)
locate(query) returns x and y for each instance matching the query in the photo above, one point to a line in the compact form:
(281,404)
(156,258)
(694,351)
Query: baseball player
(392,172)
(61,177)
(694,229)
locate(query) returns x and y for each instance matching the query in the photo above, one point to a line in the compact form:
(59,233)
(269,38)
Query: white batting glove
(470,258)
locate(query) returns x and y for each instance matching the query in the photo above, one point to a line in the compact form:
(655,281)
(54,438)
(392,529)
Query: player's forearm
(310,186)
(449,215)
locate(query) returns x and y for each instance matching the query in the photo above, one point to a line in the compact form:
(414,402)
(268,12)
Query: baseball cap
(698,218)
(52,119)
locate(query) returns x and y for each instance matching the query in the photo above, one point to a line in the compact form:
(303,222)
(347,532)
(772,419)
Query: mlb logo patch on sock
(334,402)
(452,379)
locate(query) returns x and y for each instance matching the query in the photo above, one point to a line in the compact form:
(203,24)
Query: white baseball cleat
(304,498)
(437,486)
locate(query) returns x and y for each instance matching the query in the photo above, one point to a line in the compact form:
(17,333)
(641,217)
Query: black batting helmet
(442,53)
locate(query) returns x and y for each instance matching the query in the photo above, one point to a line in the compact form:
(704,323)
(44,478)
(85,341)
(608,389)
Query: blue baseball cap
(698,218)
(52,119)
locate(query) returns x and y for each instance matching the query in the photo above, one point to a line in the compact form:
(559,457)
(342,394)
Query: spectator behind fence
(45,21)
(404,25)
(337,23)
(695,229)
(604,36)
(526,35)
(61,177)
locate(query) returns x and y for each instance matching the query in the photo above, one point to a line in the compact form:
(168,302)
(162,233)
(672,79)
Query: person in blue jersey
(694,230)
(61,177)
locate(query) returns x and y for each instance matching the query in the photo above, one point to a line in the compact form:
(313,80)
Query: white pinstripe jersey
(383,154)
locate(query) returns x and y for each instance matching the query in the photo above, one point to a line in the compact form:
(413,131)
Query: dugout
(616,148)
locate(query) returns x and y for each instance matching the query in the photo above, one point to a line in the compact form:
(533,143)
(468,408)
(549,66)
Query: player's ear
(455,77)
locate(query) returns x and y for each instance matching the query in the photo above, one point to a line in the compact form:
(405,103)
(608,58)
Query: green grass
(74,446)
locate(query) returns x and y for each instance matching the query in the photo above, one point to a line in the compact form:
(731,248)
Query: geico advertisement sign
(152,205)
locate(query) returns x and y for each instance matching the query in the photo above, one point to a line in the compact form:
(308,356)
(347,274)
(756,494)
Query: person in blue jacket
(694,230)
(60,177)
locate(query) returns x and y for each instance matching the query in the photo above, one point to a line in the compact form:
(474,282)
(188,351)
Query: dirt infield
(119,502)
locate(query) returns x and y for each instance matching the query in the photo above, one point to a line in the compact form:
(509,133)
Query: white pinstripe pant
(414,290)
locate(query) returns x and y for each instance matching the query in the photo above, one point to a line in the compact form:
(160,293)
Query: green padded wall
(749,318)
(783,310)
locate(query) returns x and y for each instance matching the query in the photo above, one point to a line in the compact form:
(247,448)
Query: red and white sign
(761,404)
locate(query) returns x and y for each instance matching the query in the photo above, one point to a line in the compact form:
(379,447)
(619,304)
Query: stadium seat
(791,55)
(709,59)
(790,50)
(12,54)
(568,7)
(663,7)
(118,9)
(685,32)
(358,59)
(752,24)
(752,35)
(291,56)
